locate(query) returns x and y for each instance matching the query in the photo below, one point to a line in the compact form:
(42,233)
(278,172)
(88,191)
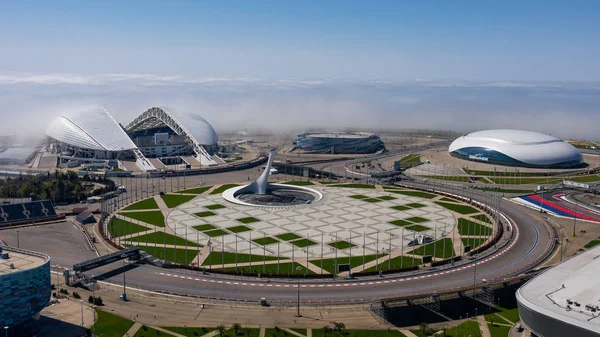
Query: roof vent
(12,266)
(4,256)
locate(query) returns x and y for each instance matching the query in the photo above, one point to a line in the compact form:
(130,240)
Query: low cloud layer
(568,110)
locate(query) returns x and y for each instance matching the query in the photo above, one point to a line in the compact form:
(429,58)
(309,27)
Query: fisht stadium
(516,148)
(94,138)
(339,143)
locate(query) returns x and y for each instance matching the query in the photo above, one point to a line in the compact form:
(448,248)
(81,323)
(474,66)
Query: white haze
(567,110)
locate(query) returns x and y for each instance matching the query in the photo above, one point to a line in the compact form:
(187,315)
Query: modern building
(94,138)
(564,300)
(339,143)
(516,148)
(25,290)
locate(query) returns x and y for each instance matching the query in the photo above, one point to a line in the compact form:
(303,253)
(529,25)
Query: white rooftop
(513,136)
(20,261)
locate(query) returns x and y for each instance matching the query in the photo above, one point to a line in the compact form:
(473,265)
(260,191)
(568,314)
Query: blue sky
(463,40)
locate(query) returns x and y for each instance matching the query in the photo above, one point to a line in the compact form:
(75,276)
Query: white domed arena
(517,148)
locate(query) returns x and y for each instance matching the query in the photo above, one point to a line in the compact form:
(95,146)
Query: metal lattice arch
(203,136)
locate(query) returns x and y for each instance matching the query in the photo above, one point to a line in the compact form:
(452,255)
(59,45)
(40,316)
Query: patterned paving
(336,217)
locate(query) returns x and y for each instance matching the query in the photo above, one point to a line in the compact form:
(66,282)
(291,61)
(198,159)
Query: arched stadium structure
(94,138)
(516,148)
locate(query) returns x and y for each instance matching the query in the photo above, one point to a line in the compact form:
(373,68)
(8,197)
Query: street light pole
(124,298)
(81,302)
(18,246)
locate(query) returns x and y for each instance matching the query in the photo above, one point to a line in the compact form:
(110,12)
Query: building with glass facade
(339,143)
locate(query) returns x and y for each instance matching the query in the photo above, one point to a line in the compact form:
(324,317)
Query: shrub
(76,295)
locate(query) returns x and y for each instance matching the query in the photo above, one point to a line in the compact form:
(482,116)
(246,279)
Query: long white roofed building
(516,148)
(94,138)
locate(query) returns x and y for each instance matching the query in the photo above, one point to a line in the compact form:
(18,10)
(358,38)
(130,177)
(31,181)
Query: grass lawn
(372,200)
(204,227)
(155,218)
(359,333)
(448,199)
(288,236)
(284,268)
(499,330)
(146,331)
(397,262)
(248,220)
(439,249)
(354,186)
(473,242)
(387,197)
(466,227)
(592,243)
(198,190)
(205,214)
(462,179)
(511,314)
(160,237)
(411,158)
(109,325)
(223,188)
(591,178)
(216,258)
(462,209)
(418,194)
(265,241)
(303,243)
(239,229)
(118,227)
(189,332)
(149,203)
(522,181)
(415,205)
(174,255)
(215,232)
(341,244)
(468,328)
(359,196)
(417,228)
(355,261)
(299,183)
(482,217)
(214,206)
(400,223)
(401,208)
(417,219)
(174,200)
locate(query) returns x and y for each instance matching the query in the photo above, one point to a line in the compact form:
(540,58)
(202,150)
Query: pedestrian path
(407,333)
(134,328)
(485,330)
(262,332)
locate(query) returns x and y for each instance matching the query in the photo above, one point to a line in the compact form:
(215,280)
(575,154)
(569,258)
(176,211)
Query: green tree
(325,330)
(236,327)
(221,330)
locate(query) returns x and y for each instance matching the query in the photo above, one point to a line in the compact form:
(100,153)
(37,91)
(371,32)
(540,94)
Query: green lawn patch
(463,179)
(204,227)
(341,244)
(284,268)
(396,263)
(354,186)
(448,199)
(592,243)
(498,330)
(411,159)
(223,188)
(372,200)
(215,232)
(462,209)
(400,208)
(155,218)
(174,200)
(417,194)
(299,183)
(417,228)
(468,328)
(198,190)
(188,331)
(482,217)
(473,242)
(329,265)
(214,206)
(500,180)
(511,314)
(160,238)
(239,229)
(417,219)
(428,249)
(359,196)
(265,241)
(288,236)
(146,331)
(216,258)
(119,227)
(359,333)
(248,220)
(303,243)
(400,223)
(179,255)
(387,198)
(415,205)
(109,325)
(205,214)
(149,203)
(466,227)
(592,178)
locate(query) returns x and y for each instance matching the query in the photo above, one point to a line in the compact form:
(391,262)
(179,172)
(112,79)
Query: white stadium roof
(92,129)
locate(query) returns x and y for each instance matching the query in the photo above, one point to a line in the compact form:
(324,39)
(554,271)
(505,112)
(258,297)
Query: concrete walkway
(134,328)
(408,333)
(262,332)
(167,331)
(485,330)
(294,333)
